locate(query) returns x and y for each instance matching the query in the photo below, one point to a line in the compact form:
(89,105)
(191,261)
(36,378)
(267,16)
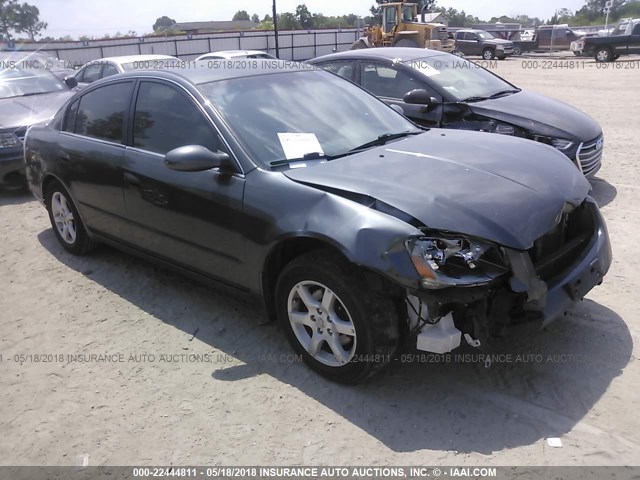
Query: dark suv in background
(479,42)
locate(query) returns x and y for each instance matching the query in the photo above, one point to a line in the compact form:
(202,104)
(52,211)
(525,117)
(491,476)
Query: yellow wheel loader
(401,27)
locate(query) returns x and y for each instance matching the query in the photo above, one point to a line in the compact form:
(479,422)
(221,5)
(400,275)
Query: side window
(636,30)
(102,111)
(166,118)
(343,69)
(92,73)
(109,70)
(70,117)
(388,82)
(80,75)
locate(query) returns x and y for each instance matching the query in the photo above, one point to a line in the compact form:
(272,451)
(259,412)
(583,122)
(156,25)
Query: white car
(105,67)
(229,54)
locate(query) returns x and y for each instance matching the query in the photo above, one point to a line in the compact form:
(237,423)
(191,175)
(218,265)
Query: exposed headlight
(9,140)
(500,47)
(504,129)
(454,261)
(562,144)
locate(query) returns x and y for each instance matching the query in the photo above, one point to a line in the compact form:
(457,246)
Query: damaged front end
(476,290)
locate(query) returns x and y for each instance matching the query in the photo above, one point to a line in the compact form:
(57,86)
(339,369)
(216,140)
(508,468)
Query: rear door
(190,218)
(92,149)
(634,41)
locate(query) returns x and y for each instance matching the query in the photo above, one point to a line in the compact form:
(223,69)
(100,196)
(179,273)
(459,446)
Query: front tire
(65,220)
(517,51)
(488,54)
(603,55)
(344,330)
(406,42)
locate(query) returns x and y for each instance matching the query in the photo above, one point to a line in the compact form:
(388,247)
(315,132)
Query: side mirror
(196,158)
(419,96)
(71,82)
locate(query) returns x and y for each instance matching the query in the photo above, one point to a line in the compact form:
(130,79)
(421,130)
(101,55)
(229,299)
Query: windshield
(16,81)
(461,78)
(287,115)
(485,35)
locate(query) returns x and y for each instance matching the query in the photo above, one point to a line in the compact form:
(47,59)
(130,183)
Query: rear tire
(488,54)
(65,220)
(517,51)
(344,330)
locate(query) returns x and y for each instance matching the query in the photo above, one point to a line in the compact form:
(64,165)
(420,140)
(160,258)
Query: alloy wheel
(321,323)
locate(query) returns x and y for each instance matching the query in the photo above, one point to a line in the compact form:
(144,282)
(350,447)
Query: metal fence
(293,45)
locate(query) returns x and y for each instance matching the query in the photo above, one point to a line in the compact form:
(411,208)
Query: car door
(91,149)
(634,40)
(189,218)
(391,83)
(466,43)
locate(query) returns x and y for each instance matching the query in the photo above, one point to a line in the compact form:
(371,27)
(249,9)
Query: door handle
(131,180)
(64,156)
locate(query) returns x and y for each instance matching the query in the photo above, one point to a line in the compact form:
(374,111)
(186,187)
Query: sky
(98,17)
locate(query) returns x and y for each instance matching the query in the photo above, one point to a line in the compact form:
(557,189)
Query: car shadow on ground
(533,387)
(18,197)
(603,191)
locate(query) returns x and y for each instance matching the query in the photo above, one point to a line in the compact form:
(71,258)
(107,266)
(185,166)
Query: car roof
(199,72)
(132,58)
(235,52)
(400,54)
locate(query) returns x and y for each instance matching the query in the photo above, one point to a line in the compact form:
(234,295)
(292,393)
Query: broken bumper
(12,170)
(579,280)
(545,281)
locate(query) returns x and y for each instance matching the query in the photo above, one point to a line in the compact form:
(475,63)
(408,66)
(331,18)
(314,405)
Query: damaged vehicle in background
(357,230)
(437,89)
(29,94)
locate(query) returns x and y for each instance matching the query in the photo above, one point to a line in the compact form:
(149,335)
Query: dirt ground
(109,360)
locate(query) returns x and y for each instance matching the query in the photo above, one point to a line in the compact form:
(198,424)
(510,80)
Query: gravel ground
(196,377)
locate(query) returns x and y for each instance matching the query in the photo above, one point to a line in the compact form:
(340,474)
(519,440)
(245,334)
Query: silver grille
(590,156)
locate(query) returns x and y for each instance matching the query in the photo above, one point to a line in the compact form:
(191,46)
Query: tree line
(16,18)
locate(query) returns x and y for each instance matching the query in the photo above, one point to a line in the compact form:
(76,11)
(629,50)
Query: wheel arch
(285,251)
(47,180)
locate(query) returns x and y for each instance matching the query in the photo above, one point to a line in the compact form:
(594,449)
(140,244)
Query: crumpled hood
(24,111)
(507,190)
(541,115)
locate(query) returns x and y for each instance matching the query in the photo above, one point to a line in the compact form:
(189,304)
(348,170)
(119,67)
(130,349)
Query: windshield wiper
(306,156)
(492,96)
(504,92)
(383,139)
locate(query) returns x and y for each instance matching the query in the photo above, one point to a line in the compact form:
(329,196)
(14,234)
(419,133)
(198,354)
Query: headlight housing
(445,261)
(561,144)
(9,140)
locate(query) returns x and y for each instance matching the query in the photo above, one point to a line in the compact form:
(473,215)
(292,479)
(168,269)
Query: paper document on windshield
(296,145)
